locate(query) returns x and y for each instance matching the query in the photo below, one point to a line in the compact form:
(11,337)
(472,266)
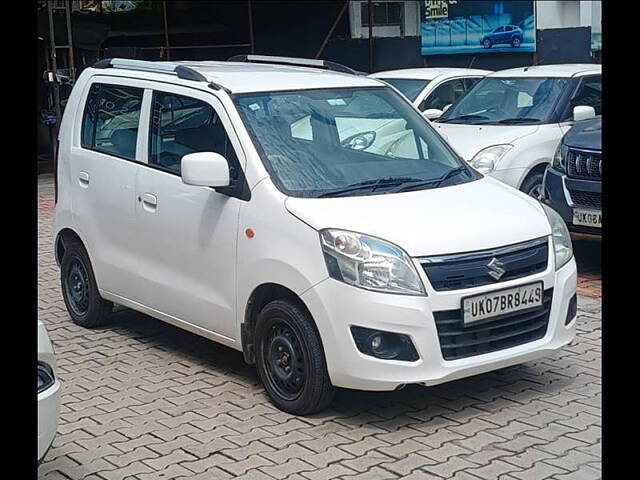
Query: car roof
(560,70)
(430,73)
(245,77)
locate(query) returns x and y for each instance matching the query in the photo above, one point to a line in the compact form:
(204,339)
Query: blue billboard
(475,26)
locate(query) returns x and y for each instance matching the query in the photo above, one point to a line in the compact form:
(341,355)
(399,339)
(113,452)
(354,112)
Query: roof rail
(302,62)
(181,71)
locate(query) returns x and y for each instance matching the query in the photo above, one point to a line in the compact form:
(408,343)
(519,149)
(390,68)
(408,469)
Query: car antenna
(473,59)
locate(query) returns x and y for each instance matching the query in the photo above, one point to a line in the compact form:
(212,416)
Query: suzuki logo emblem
(496,269)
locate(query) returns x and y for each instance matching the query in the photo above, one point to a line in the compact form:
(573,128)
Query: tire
(290,359)
(79,289)
(533,185)
(486,43)
(515,42)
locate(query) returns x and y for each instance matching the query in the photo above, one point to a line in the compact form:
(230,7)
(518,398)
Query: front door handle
(83,178)
(149,202)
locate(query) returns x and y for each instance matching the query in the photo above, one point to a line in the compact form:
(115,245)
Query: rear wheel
(79,289)
(290,359)
(515,42)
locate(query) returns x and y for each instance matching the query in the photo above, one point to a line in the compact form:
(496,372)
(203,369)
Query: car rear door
(187,234)
(103,168)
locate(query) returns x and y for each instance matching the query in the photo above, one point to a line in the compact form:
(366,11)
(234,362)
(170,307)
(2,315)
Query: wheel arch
(537,168)
(261,296)
(64,237)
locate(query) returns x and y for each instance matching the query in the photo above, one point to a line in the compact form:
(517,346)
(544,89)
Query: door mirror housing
(446,107)
(432,113)
(583,112)
(205,169)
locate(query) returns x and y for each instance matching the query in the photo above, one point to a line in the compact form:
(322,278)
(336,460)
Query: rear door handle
(149,202)
(83,178)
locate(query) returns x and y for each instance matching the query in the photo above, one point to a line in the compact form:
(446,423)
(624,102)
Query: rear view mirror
(432,113)
(583,112)
(205,169)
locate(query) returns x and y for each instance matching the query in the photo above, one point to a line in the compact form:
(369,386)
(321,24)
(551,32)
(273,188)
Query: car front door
(103,169)
(187,234)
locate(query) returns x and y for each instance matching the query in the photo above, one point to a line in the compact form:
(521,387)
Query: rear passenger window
(182,125)
(111,118)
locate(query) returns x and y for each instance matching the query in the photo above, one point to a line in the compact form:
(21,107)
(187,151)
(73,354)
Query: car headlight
(560,158)
(369,262)
(562,248)
(485,160)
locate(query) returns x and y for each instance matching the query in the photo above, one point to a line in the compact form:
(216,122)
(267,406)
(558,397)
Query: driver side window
(181,125)
(446,94)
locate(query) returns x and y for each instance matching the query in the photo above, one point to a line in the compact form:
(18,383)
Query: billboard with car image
(471,26)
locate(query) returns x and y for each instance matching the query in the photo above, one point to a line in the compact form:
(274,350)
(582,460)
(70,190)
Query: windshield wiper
(434,182)
(519,120)
(462,117)
(369,184)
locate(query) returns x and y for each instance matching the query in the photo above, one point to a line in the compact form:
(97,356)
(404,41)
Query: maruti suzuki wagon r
(306,216)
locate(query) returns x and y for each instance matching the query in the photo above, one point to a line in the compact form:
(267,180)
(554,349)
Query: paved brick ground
(145,400)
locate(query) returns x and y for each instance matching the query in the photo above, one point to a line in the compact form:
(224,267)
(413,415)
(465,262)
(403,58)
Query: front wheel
(290,359)
(533,186)
(486,43)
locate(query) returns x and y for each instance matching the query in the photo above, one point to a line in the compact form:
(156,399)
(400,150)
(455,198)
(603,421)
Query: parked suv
(573,182)
(504,34)
(511,123)
(310,218)
(432,90)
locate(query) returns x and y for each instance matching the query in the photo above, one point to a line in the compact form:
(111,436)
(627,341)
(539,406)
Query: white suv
(312,219)
(510,125)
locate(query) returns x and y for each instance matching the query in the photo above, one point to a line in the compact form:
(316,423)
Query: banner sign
(477,26)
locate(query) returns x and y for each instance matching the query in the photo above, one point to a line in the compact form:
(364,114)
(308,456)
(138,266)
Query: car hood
(586,134)
(468,140)
(459,218)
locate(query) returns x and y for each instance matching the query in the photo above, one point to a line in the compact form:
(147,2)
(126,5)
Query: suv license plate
(501,302)
(587,218)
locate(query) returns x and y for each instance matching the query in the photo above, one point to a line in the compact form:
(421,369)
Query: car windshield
(348,141)
(508,101)
(409,87)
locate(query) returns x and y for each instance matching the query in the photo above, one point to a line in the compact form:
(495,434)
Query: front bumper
(558,197)
(336,306)
(48,413)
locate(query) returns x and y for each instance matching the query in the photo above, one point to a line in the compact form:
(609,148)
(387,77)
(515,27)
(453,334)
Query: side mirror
(205,169)
(446,107)
(432,113)
(583,112)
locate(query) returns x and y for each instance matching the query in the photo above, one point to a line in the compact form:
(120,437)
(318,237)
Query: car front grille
(586,199)
(460,341)
(585,164)
(466,270)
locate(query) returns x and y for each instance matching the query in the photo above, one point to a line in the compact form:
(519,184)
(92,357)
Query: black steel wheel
(79,289)
(290,359)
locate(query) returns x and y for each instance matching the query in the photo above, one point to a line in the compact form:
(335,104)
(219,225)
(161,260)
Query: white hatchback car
(510,125)
(432,89)
(48,393)
(311,219)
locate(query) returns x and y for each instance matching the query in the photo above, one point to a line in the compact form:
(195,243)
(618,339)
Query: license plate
(501,302)
(587,218)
